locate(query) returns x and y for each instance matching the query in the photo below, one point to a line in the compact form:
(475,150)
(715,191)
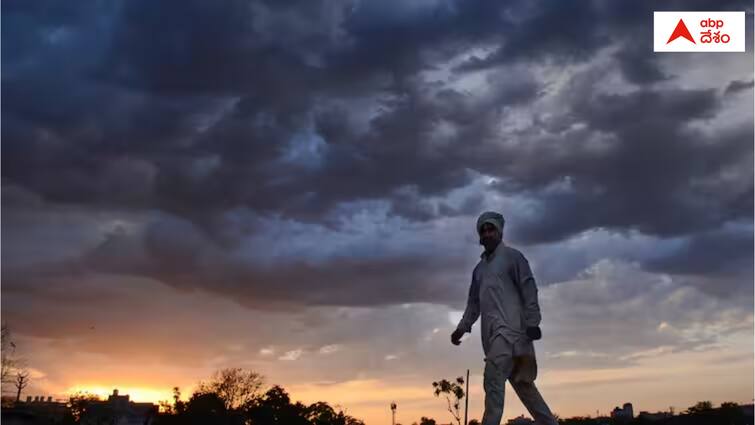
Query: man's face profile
(489,235)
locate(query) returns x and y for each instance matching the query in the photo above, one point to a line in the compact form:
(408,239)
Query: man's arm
(528,288)
(472,312)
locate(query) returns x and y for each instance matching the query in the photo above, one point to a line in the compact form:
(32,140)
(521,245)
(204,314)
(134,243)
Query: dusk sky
(292,187)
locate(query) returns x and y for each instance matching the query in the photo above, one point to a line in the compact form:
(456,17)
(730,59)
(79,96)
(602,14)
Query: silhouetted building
(520,420)
(654,416)
(119,410)
(623,413)
(36,410)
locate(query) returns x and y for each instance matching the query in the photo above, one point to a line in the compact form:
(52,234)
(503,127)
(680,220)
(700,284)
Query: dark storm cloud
(636,65)
(712,253)
(555,30)
(641,177)
(194,111)
(230,50)
(736,86)
(171,73)
(573,32)
(174,64)
(174,252)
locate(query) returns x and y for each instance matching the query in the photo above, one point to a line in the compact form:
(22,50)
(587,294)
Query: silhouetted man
(503,292)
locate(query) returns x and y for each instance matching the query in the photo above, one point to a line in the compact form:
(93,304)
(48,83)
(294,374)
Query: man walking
(504,294)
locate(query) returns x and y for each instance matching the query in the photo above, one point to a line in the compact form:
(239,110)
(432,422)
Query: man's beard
(489,242)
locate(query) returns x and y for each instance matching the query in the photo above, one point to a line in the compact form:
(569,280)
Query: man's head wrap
(491,217)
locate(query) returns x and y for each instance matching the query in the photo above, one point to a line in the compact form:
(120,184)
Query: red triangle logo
(681,31)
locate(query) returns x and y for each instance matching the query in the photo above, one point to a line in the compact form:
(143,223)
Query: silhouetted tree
(79,403)
(474,422)
(206,403)
(235,386)
(321,413)
(275,408)
(9,362)
(271,408)
(209,408)
(454,393)
(731,412)
(178,405)
(6,353)
(426,421)
(174,414)
(700,406)
(21,382)
(164,406)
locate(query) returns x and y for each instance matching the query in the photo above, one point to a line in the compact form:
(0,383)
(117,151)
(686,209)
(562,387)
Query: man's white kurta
(509,352)
(494,298)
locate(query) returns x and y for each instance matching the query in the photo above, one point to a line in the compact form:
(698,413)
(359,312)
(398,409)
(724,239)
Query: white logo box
(731,24)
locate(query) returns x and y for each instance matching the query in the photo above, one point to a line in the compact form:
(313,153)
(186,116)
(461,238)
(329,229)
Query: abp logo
(681,31)
(699,31)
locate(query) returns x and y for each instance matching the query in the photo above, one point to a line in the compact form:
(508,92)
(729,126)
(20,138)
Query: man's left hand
(534,332)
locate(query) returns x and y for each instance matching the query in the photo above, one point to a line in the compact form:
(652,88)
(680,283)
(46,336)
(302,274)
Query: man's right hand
(456,336)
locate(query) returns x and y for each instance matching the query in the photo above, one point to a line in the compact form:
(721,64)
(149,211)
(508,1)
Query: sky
(292,188)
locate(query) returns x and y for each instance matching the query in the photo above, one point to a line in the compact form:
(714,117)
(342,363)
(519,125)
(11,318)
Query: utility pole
(393,413)
(466,399)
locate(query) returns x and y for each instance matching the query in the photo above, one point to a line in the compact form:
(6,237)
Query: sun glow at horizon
(136,394)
